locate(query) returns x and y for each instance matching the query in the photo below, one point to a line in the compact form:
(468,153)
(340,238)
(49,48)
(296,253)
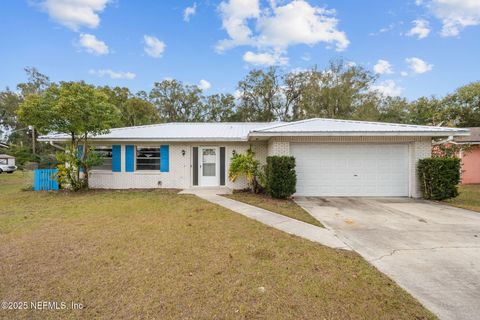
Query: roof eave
(359,133)
(61,139)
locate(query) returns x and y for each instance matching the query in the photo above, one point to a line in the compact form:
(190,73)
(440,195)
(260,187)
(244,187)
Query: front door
(208,166)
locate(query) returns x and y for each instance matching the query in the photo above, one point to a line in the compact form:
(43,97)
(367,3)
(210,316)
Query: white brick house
(333,157)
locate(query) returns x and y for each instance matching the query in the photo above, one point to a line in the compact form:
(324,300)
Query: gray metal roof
(242,131)
(6,156)
(173,131)
(320,125)
(473,137)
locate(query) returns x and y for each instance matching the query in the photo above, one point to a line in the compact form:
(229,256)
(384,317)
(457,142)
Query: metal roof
(320,126)
(474,136)
(184,131)
(6,156)
(242,131)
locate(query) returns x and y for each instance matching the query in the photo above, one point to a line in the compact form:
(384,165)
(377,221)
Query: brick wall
(180,174)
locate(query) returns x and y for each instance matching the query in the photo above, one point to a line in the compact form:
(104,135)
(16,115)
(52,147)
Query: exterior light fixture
(183,153)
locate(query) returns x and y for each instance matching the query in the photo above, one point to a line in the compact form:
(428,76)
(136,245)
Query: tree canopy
(340,90)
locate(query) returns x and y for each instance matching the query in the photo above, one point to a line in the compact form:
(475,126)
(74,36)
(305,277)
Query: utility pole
(32,128)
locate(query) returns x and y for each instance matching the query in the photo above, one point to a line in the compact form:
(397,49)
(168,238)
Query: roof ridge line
(285,124)
(385,123)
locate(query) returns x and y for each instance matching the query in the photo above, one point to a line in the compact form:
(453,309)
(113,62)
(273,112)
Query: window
(3,161)
(209,162)
(106,154)
(148,158)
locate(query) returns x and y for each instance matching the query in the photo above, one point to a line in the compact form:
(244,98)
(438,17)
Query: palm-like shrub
(246,165)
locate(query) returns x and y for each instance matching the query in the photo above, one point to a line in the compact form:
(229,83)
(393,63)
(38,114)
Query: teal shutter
(80,154)
(79,151)
(129,158)
(164,158)
(116,158)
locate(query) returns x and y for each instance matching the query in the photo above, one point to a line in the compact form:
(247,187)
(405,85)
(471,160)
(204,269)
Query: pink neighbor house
(470,159)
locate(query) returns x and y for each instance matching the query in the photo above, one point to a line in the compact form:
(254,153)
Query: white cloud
(383,67)
(390,27)
(153,47)
(404,73)
(278,26)
(418,65)
(421,29)
(454,14)
(75,13)
(388,88)
(113,74)
(92,45)
(204,84)
(189,12)
(306,57)
(265,58)
(234,15)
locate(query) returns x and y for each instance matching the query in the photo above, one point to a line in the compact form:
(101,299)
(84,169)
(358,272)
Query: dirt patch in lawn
(285,207)
(168,256)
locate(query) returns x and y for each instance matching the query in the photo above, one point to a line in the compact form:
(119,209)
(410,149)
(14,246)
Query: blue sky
(417,47)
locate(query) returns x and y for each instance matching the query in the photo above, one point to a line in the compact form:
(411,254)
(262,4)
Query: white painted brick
(180,173)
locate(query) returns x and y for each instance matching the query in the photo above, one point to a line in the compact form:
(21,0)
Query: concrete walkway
(292,226)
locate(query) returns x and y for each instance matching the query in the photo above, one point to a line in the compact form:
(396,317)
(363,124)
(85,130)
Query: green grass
(469,197)
(157,254)
(285,207)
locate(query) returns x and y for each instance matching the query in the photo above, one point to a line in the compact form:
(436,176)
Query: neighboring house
(333,157)
(471,158)
(6,159)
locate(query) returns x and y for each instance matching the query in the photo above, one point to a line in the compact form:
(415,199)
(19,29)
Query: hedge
(439,177)
(280,175)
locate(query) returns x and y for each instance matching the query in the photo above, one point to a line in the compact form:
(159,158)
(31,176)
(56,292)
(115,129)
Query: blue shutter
(80,154)
(164,158)
(80,151)
(129,158)
(116,158)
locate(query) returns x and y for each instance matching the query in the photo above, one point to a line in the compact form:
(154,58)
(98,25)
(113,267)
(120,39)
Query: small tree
(247,165)
(79,110)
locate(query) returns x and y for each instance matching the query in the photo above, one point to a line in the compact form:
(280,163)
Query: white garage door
(351,169)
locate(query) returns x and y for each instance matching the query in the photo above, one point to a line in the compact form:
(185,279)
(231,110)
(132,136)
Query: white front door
(208,166)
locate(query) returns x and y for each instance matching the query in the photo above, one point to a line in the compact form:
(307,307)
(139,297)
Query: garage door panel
(351,169)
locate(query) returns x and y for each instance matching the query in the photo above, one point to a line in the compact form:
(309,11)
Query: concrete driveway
(431,250)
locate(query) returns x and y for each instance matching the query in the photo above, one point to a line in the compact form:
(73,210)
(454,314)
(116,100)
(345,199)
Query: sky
(416,47)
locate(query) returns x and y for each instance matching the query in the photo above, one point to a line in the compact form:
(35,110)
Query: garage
(351,169)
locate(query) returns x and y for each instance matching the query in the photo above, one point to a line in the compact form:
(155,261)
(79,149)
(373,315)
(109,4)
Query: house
(6,159)
(333,157)
(471,158)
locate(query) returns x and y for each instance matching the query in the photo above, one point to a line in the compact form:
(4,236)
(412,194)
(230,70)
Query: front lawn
(286,207)
(469,197)
(160,255)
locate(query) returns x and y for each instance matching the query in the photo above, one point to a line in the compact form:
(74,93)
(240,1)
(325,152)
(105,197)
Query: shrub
(247,165)
(280,176)
(439,177)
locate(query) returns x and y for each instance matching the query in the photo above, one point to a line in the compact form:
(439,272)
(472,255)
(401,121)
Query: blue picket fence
(45,179)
